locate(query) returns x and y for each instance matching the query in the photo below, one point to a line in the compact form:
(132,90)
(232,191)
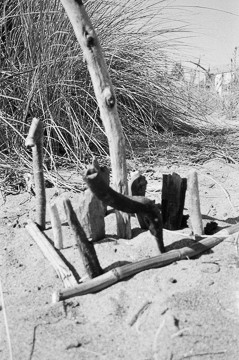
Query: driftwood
(34,140)
(195,216)
(105,95)
(131,205)
(137,184)
(86,248)
(137,187)
(173,197)
(91,215)
(50,253)
(123,272)
(56,226)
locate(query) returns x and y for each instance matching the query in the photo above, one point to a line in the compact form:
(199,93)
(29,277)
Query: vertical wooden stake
(195,216)
(106,99)
(91,215)
(56,226)
(137,187)
(86,248)
(35,141)
(173,197)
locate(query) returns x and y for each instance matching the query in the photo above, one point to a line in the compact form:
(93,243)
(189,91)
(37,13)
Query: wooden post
(56,226)
(173,197)
(137,184)
(91,215)
(137,187)
(106,99)
(34,140)
(195,216)
(86,248)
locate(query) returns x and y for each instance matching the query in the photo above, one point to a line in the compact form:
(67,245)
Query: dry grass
(43,75)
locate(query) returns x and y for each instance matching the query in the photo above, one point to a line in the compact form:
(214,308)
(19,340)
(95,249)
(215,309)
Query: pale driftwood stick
(195,216)
(105,95)
(50,253)
(34,140)
(56,226)
(132,205)
(125,271)
(86,248)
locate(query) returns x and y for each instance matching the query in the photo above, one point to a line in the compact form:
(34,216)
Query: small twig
(155,342)
(204,354)
(141,310)
(33,341)
(6,322)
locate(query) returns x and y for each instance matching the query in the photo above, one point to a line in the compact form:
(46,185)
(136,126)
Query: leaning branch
(105,95)
(132,205)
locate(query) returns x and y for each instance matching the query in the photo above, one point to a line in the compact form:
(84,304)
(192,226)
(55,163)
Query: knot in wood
(109,97)
(90,39)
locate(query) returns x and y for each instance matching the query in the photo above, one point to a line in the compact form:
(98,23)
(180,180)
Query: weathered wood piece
(56,226)
(91,215)
(137,184)
(35,141)
(137,187)
(105,172)
(173,198)
(50,253)
(86,248)
(105,95)
(125,271)
(194,210)
(131,205)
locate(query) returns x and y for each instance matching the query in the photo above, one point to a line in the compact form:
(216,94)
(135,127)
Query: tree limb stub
(131,205)
(106,99)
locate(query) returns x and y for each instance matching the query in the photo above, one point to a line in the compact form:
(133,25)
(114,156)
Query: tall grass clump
(44,75)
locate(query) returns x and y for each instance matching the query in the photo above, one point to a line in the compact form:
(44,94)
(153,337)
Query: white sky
(215,33)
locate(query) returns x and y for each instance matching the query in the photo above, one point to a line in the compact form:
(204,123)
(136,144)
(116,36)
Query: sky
(214,30)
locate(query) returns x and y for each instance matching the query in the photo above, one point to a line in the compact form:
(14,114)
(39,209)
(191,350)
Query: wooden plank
(173,198)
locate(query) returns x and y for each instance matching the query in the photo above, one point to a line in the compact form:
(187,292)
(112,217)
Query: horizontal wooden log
(123,272)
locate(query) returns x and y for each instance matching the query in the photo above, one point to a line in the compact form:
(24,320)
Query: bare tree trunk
(106,99)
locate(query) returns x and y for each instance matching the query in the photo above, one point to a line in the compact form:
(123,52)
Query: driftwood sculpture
(105,95)
(132,205)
